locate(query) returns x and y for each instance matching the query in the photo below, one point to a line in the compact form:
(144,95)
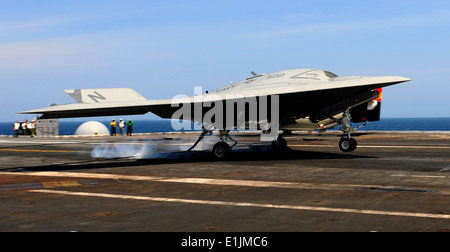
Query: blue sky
(165,48)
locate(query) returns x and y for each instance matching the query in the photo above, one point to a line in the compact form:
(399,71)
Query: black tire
(280,145)
(347,145)
(222,151)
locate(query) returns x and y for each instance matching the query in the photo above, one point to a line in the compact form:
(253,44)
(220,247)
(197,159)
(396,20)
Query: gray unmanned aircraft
(265,102)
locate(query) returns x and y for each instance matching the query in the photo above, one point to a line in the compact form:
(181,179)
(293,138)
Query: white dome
(92,128)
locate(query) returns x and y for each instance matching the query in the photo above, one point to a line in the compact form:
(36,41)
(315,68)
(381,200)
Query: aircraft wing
(90,110)
(317,100)
(103,102)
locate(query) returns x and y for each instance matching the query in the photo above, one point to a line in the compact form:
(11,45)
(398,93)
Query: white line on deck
(245,204)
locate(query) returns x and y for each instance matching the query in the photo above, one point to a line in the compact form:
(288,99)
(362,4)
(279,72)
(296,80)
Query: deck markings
(244,204)
(204,181)
(49,151)
(40,185)
(232,182)
(225,182)
(376,146)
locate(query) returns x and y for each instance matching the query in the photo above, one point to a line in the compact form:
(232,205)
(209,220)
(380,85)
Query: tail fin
(101,95)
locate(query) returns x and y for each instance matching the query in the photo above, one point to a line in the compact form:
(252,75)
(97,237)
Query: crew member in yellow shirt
(113,127)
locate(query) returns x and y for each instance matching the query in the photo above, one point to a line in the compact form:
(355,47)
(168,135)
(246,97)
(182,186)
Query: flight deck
(394,181)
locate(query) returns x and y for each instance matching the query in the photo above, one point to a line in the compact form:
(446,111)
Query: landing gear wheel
(222,151)
(280,145)
(347,144)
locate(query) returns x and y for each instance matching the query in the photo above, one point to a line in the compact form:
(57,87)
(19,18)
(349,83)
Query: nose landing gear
(347,143)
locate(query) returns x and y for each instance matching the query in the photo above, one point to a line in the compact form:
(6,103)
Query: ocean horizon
(68,127)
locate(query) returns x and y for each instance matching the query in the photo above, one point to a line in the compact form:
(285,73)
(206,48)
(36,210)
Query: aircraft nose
(390,79)
(401,79)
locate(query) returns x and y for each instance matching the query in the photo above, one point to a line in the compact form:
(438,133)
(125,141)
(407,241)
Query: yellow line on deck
(53,184)
(24,150)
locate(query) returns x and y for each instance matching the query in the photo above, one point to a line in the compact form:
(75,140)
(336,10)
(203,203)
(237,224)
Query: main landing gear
(222,149)
(347,143)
